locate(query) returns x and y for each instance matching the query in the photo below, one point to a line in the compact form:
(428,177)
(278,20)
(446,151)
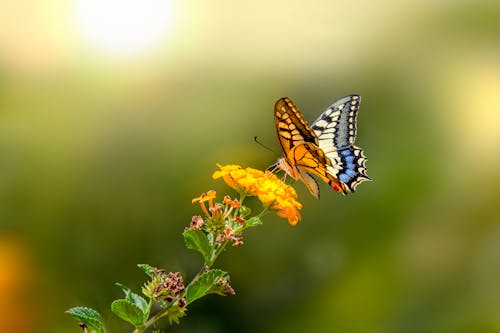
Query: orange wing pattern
(303,156)
(310,159)
(291,127)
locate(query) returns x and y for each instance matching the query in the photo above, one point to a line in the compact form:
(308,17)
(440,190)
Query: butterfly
(325,149)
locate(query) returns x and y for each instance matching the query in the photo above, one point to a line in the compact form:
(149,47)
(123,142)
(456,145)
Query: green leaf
(132,297)
(253,222)
(245,211)
(90,317)
(128,311)
(148,269)
(204,285)
(197,240)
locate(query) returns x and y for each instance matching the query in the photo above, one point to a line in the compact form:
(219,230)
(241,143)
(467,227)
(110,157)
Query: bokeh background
(114,113)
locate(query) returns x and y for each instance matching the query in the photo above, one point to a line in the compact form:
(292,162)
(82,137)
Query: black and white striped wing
(336,126)
(336,132)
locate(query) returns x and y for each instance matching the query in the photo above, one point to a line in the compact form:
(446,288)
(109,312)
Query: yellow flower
(210,195)
(270,190)
(227,173)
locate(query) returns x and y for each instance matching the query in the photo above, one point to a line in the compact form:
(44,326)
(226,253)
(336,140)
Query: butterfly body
(325,149)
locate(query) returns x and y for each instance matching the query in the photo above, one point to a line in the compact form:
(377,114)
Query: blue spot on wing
(349,159)
(351,166)
(351,173)
(344,178)
(345,152)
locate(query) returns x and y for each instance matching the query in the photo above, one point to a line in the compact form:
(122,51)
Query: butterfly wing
(309,159)
(310,182)
(293,132)
(336,126)
(291,127)
(336,132)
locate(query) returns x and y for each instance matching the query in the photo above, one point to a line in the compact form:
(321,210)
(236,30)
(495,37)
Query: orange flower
(270,190)
(209,196)
(230,202)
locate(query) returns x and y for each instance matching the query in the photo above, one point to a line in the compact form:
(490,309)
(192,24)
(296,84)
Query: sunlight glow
(124,26)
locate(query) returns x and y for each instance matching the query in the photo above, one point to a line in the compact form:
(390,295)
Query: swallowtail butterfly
(325,149)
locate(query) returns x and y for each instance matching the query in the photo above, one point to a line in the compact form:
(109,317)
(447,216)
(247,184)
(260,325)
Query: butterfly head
(283,164)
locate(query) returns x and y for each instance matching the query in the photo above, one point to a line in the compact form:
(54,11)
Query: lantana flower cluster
(223,219)
(266,186)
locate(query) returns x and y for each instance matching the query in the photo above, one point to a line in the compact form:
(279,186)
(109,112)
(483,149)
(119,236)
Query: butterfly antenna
(263,145)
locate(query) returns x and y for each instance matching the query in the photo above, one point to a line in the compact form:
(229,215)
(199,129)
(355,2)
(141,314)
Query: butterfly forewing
(336,126)
(291,127)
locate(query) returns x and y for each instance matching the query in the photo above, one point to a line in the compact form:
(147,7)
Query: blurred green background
(113,115)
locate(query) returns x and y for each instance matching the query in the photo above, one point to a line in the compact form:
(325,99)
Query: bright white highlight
(124,26)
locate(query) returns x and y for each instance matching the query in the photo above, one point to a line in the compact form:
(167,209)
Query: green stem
(216,254)
(264,211)
(195,277)
(153,319)
(242,197)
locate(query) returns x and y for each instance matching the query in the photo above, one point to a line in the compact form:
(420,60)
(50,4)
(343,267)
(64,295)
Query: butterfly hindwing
(310,159)
(310,183)
(349,166)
